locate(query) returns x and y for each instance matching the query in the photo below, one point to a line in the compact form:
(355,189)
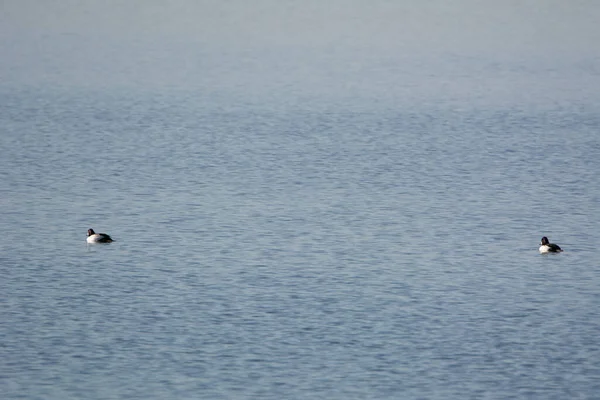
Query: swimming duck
(93,237)
(547,247)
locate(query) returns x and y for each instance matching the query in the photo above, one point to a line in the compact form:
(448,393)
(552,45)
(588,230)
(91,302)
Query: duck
(547,247)
(93,237)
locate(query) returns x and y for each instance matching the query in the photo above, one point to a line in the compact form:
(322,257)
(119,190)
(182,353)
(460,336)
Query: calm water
(299,224)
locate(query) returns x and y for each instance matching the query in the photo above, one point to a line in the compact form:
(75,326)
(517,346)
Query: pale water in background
(335,222)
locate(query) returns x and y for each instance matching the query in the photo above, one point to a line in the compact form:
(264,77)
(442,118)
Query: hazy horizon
(190,44)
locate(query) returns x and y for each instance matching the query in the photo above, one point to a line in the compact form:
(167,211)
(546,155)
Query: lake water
(298,224)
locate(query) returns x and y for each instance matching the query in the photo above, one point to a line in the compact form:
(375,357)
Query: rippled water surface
(298,226)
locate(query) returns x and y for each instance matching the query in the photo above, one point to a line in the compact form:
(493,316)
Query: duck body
(93,237)
(547,247)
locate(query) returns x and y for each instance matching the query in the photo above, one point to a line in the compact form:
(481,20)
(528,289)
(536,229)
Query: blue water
(297,222)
